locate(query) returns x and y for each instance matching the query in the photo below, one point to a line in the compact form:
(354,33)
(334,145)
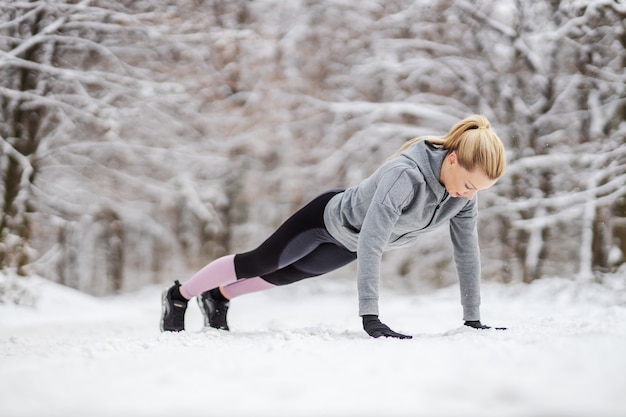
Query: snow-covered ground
(300,351)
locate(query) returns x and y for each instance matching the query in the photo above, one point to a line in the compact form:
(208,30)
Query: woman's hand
(373,326)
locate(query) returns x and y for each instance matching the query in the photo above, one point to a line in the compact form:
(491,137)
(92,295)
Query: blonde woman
(429,182)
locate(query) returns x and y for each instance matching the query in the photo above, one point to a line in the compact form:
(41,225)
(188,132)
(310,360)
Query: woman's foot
(214,307)
(173,311)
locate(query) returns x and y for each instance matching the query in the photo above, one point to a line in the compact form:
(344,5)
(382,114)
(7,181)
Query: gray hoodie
(392,208)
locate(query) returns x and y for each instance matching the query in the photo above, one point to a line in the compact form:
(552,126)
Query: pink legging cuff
(221,273)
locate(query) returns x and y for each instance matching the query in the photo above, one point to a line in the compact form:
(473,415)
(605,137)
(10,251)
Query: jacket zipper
(445,197)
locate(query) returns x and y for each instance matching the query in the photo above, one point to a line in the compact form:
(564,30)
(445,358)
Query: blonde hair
(475,143)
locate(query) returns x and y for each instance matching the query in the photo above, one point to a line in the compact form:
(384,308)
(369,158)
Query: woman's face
(461,183)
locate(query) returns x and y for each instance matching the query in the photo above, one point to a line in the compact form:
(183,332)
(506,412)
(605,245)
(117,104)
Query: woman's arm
(464,234)
(394,191)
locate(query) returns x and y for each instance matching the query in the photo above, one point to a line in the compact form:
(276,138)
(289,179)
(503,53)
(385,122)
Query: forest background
(142,139)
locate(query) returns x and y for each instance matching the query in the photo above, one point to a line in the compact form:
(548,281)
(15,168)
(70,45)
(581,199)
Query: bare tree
(133,132)
(77,79)
(564,94)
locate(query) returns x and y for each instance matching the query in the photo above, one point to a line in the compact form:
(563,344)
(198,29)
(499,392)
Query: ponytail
(476,144)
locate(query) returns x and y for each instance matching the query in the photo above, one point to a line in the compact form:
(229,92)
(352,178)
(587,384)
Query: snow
(300,351)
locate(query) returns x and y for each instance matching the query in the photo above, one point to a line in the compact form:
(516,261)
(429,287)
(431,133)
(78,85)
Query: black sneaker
(173,312)
(214,310)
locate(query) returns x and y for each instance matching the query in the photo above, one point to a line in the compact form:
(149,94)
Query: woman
(429,182)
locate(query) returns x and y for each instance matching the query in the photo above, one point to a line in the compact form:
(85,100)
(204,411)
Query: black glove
(373,326)
(476,324)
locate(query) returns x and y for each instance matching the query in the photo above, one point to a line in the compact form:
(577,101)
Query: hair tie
(482,127)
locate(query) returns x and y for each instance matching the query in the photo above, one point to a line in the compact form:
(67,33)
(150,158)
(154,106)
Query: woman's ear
(452,158)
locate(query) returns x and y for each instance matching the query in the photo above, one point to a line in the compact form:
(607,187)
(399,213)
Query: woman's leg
(217,273)
(245,286)
(215,303)
(300,248)
(325,258)
(296,238)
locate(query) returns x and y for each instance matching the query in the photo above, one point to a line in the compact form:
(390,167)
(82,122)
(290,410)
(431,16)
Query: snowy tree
(142,139)
(563,92)
(78,80)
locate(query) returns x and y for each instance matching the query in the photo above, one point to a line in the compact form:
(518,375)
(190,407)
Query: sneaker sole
(163,308)
(205,318)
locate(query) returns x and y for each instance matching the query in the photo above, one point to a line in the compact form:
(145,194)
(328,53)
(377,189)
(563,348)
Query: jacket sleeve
(464,234)
(392,194)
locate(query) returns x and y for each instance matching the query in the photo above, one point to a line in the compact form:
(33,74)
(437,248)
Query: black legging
(300,248)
